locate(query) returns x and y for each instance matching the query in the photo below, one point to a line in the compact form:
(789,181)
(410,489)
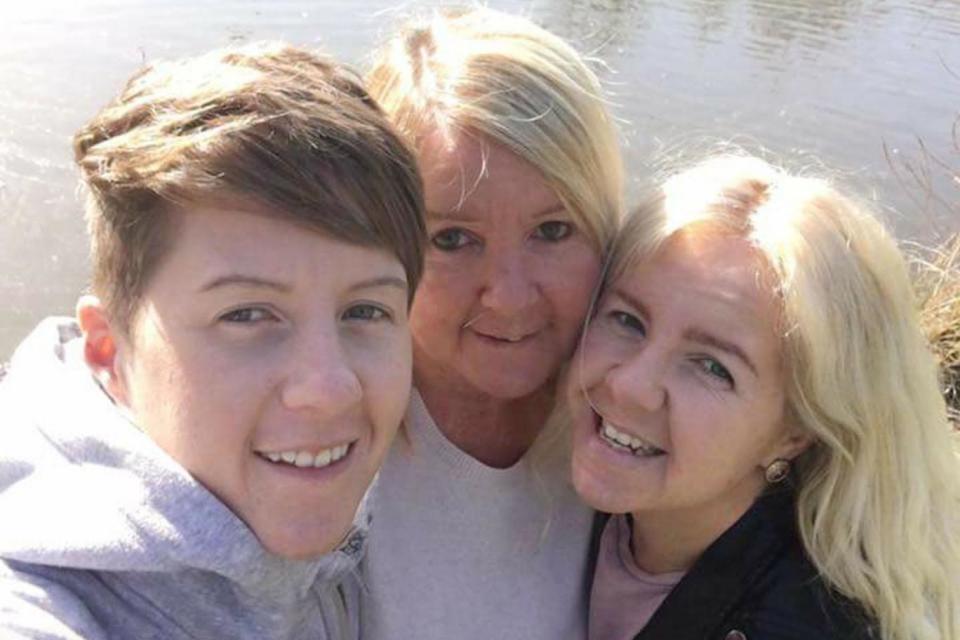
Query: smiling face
(274,364)
(508,273)
(683,369)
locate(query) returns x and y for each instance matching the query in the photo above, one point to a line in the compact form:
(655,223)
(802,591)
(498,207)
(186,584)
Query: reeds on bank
(937,284)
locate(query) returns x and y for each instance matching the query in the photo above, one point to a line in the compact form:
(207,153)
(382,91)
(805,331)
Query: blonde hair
(516,84)
(878,498)
(284,127)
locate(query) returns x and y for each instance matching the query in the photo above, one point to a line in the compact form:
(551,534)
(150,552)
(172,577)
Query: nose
(637,381)
(321,379)
(510,285)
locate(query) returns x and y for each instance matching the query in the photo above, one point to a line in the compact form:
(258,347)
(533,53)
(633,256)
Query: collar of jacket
(720,579)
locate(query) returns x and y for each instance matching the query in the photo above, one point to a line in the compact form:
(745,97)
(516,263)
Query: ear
(101,347)
(793,442)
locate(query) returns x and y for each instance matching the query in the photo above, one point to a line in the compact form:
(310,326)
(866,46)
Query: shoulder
(792,602)
(34,605)
(756,582)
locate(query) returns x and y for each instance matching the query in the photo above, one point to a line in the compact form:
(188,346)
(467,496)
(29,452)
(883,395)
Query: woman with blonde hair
(756,404)
(522,179)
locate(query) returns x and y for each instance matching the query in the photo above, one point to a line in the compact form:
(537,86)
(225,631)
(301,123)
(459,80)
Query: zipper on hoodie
(333,605)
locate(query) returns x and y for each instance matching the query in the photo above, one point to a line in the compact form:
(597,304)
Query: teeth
(305,458)
(625,441)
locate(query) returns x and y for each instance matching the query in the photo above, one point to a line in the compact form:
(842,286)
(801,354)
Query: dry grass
(938,290)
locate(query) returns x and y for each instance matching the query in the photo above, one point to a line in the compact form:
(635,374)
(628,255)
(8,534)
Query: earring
(777,471)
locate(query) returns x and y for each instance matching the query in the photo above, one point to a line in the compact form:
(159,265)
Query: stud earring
(777,471)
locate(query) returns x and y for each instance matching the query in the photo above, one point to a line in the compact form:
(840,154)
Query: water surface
(870,88)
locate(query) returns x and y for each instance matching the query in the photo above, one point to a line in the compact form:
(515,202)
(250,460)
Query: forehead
(468,175)
(715,282)
(213,239)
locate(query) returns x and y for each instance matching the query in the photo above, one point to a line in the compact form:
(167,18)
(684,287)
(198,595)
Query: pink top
(624,596)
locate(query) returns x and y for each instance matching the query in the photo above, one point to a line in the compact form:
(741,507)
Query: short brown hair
(269,123)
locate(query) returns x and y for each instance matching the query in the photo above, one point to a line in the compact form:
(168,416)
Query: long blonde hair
(512,82)
(878,505)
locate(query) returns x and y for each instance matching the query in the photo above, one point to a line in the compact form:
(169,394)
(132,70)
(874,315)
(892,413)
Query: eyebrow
(696,335)
(243,280)
(381,281)
(458,216)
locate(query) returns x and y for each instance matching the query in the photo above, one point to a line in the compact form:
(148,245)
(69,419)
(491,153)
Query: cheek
(202,422)
(583,374)
(440,308)
(210,394)
(597,354)
(158,393)
(447,274)
(439,289)
(569,281)
(715,439)
(385,371)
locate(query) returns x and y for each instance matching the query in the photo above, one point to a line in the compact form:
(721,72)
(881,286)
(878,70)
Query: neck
(494,431)
(669,541)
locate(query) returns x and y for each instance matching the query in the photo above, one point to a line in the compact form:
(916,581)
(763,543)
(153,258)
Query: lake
(868,90)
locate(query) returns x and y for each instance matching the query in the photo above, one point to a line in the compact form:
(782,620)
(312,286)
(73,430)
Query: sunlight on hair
(725,191)
(773,224)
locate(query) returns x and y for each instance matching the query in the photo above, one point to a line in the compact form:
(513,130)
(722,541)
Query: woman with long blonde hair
(756,404)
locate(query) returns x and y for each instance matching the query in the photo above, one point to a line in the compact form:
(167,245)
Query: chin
(503,386)
(304,542)
(597,492)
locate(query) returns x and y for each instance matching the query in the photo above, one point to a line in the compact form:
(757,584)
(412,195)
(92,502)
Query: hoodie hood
(81,487)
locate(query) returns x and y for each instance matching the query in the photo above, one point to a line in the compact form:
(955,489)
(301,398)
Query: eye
(553,230)
(365,312)
(248,315)
(628,321)
(450,239)
(713,368)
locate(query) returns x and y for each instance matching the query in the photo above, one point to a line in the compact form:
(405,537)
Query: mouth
(506,338)
(308,459)
(619,440)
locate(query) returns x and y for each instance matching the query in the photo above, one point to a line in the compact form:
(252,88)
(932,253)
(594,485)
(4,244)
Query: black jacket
(756,583)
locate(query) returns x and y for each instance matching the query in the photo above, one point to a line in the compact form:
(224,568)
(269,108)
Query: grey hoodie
(102,535)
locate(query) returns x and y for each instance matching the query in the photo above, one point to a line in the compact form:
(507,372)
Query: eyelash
(241,315)
(462,237)
(371,313)
(721,373)
(565,227)
(628,321)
